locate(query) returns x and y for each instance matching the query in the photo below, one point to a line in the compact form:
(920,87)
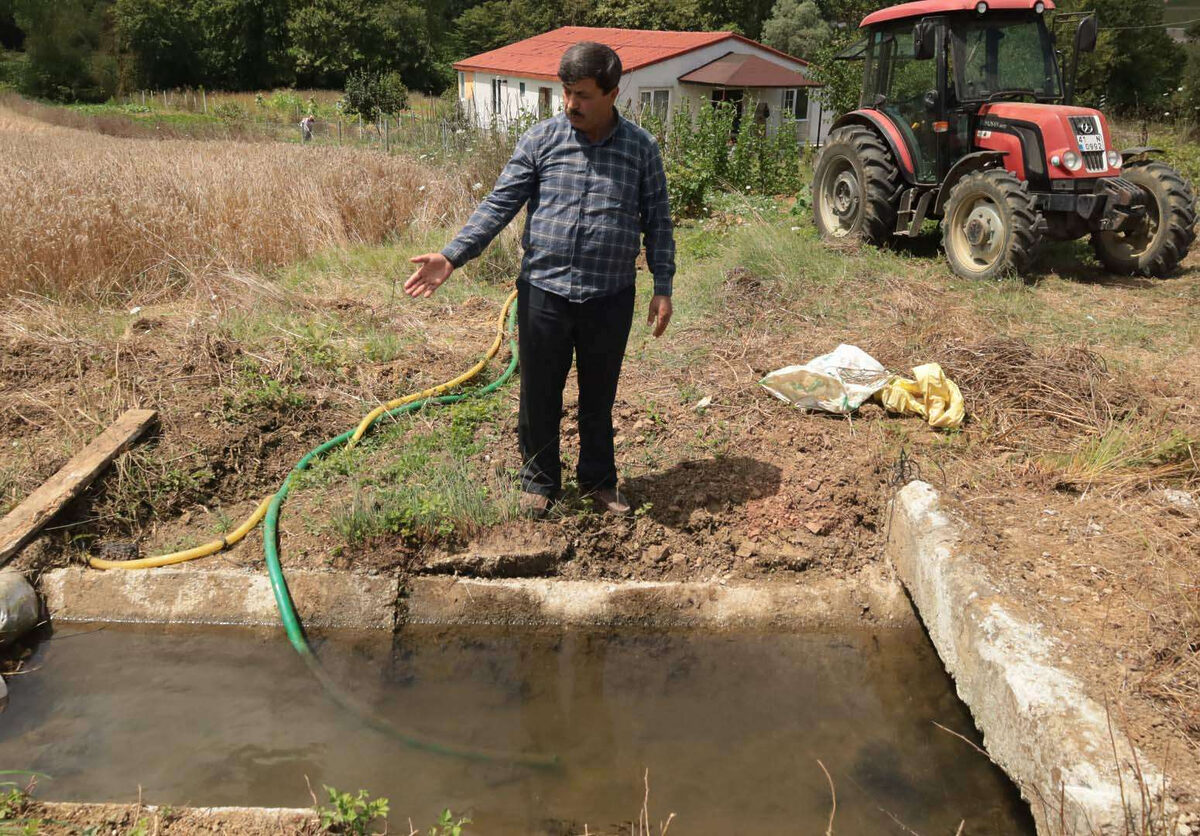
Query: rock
(1182,500)
(503,554)
(704,403)
(18,606)
(746,549)
(817,526)
(656,554)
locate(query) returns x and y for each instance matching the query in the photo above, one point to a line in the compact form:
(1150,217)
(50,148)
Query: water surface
(730,726)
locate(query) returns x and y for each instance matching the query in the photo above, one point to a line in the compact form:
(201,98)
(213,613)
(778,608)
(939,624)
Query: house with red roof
(661,71)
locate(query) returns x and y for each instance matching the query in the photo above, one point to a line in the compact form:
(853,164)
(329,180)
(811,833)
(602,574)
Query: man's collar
(583,138)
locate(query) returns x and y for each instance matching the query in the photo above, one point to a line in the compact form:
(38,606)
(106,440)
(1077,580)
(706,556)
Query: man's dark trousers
(550,330)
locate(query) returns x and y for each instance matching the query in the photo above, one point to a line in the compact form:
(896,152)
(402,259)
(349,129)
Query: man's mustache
(574,113)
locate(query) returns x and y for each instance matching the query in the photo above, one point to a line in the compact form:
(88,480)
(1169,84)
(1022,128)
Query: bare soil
(746,487)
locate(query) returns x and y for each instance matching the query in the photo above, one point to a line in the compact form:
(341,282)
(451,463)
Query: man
(595,184)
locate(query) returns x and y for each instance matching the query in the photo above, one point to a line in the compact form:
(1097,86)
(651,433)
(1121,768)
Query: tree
(68,50)
(796,27)
(161,41)
(242,44)
(11,36)
(372,94)
(1136,65)
(326,39)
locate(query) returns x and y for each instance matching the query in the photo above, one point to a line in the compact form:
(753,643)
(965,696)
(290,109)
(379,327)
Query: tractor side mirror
(1085,35)
(924,40)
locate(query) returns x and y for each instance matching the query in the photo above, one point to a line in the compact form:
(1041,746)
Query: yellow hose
(374,414)
(259,512)
(188,554)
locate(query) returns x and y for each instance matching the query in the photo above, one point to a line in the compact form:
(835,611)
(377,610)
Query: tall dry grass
(107,219)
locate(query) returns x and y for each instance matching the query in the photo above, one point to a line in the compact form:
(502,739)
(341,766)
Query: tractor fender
(1139,151)
(975,161)
(880,124)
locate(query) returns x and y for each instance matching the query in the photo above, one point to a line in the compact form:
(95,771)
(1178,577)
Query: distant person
(595,185)
(306,128)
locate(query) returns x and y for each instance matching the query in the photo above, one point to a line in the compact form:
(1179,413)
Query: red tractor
(963,117)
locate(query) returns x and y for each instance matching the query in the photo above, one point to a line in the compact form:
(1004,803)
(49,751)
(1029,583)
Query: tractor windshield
(1000,56)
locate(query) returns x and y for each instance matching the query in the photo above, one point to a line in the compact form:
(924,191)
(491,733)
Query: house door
(735,98)
(544,102)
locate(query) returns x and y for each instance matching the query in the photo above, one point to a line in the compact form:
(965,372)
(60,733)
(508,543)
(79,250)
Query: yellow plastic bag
(932,395)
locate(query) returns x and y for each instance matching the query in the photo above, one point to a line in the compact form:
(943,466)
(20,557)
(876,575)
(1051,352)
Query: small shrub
(351,814)
(447,825)
(229,112)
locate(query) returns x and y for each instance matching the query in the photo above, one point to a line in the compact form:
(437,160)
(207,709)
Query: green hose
(287,610)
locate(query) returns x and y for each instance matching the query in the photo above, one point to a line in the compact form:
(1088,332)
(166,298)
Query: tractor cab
(933,76)
(965,116)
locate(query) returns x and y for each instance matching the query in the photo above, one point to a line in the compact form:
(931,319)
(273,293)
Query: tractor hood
(1061,128)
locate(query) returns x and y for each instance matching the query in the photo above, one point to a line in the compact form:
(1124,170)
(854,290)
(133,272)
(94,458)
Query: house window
(462,86)
(795,103)
(544,102)
(499,91)
(522,90)
(656,101)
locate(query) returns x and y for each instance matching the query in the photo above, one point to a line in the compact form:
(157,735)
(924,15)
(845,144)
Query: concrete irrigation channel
(852,652)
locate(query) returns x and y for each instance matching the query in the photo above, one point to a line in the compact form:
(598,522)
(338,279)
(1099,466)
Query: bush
(371,94)
(699,158)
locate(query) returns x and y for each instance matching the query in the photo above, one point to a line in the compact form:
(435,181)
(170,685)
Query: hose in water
(270,509)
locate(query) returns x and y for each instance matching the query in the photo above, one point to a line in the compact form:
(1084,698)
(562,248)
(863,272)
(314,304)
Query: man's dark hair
(589,59)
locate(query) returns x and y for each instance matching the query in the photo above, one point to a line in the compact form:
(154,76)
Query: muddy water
(731,727)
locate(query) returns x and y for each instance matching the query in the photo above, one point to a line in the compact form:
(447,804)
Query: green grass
(420,482)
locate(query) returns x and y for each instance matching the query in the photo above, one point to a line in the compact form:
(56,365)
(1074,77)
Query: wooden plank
(27,519)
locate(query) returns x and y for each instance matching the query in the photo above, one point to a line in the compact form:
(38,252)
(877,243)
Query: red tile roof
(538,57)
(738,69)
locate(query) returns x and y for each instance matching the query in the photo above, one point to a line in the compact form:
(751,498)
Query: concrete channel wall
(1037,722)
(340,600)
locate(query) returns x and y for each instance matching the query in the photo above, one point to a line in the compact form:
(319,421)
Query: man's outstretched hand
(435,268)
(660,314)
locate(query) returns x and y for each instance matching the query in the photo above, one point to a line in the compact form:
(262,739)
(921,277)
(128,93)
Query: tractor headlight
(1072,161)
(1114,159)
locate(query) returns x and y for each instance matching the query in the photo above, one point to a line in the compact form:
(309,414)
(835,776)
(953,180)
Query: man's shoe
(534,505)
(612,501)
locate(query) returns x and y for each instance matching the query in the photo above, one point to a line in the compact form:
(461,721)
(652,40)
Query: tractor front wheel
(1159,241)
(991,225)
(854,186)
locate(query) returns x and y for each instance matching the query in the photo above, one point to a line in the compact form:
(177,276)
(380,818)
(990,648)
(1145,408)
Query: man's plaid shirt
(589,204)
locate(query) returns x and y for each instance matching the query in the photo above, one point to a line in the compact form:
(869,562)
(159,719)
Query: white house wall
(664,74)
(513,105)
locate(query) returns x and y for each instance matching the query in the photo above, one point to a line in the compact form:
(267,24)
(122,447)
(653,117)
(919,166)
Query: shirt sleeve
(656,222)
(512,190)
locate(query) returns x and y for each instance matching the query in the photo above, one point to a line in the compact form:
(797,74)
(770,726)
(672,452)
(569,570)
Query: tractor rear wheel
(854,186)
(1156,245)
(991,225)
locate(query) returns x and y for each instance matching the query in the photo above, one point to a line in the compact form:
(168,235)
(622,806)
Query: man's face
(588,108)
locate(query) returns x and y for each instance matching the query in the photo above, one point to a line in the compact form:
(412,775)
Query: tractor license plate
(1090,142)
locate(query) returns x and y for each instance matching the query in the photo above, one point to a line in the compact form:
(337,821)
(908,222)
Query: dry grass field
(85,216)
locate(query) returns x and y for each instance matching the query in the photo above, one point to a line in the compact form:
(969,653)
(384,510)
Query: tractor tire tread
(881,178)
(1025,241)
(1180,219)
